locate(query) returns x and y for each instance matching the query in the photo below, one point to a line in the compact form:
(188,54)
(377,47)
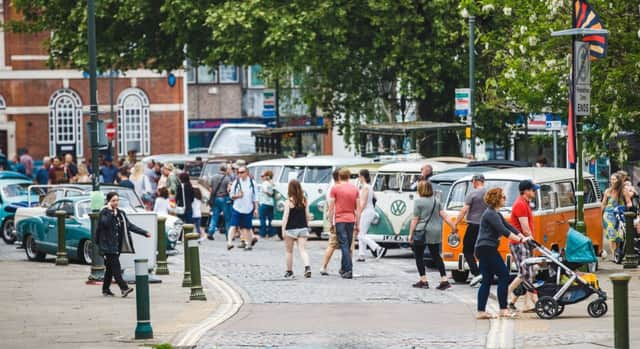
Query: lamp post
(472,82)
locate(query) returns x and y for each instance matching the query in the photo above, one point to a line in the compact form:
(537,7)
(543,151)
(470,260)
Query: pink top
(345,196)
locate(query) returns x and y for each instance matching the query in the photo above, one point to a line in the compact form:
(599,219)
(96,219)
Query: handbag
(181,209)
(424,224)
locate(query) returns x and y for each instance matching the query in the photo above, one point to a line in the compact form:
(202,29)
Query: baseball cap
(527,184)
(478,177)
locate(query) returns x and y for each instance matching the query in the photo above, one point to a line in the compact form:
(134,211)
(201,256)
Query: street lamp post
(472,82)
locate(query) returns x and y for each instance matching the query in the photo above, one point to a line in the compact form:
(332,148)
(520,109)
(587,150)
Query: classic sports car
(13,194)
(129,202)
(39,234)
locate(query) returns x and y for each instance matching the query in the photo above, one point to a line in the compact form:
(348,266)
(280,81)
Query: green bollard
(61,257)
(143,311)
(197,294)
(630,257)
(162,268)
(186,281)
(621,309)
(97,262)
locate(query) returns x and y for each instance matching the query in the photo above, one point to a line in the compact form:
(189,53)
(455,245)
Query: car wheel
(84,252)
(8,231)
(460,275)
(31,249)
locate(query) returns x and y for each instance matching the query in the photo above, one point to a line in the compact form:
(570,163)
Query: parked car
(13,194)
(129,202)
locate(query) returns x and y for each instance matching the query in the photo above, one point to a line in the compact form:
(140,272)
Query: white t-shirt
(161,206)
(244,204)
(196,208)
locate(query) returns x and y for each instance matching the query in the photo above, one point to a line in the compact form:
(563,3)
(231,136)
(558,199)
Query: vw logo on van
(398,207)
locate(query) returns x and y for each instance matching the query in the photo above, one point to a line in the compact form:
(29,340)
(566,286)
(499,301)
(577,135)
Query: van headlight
(322,205)
(453,240)
(173,233)
(278,196)
(376,219)
(280,206)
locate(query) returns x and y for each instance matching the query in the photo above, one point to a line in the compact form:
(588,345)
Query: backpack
(236,184)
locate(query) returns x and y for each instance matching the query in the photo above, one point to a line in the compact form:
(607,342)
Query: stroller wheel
(547,308)
(560,310)
(597,308)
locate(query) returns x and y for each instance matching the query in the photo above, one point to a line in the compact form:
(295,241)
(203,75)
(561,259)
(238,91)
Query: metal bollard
(197,294)
(186,281)
(143,327)
(621,309)
(630,257)
(61,257)
(162,268)
(97,262)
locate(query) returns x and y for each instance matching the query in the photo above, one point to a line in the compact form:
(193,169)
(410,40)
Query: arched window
(65,122)
(133,122)
(3,104)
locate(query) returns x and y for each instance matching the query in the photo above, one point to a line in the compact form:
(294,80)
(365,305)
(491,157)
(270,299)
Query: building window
(3,104)
(255,76)
(228,74)
(207,75)
(133,122)
(65,121)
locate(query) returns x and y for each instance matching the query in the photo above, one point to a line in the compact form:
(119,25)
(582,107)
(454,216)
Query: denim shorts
(242,220)
(298,233)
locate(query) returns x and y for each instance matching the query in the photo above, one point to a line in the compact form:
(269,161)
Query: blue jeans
(491,264)
(344,232)
(219,206)
(266,216)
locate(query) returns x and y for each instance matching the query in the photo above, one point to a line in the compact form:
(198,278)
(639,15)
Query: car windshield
(234,141)
(83,208)
(291,172)
(460,190)
(128,197)
(210,169)
(317,175)
(10,191)
(194,169)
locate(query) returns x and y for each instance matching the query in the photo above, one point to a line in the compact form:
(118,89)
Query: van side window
(387,182)
(546,197)
(566,197)
(589,192)
(317,175)
(457,196)
(408,181)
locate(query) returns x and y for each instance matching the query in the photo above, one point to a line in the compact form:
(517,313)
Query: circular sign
(398,207)
(171,80)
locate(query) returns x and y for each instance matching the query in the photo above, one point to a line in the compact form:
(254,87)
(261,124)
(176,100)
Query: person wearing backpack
(245,206)
(367,215)
(426,230)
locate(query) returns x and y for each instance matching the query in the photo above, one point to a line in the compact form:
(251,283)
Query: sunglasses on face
(241,172)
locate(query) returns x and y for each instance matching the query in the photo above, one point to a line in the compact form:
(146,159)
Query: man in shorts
(245,206)
(522,220)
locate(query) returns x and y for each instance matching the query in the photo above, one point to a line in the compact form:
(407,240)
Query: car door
(49,236)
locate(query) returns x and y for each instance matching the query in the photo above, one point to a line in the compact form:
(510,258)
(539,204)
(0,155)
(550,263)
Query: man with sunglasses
(245,206)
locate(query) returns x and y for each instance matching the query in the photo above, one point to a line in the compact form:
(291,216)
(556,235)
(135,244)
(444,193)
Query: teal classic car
(13,194)
(39,234)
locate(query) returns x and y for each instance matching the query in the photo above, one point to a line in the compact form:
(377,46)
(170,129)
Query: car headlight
(322,205)
(173,233)
(376,219)
(453,240)
(280,206)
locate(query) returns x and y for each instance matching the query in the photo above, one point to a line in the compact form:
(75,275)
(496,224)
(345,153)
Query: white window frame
(141,98)
(221,68)
(65,95)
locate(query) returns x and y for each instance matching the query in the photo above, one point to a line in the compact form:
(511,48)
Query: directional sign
(554,125)
(462,101)
(582,87)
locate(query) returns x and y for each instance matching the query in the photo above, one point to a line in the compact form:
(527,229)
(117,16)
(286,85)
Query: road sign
(269,103)
(554,125)
(462,99)
(582,87)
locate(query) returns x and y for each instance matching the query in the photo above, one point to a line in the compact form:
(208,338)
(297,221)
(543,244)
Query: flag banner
(585,17)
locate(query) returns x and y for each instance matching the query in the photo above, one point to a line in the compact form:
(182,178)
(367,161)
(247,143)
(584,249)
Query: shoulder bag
(421,227)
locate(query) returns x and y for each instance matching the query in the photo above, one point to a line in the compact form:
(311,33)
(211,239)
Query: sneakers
(360,259)
(242,244)
(381,252)
(254,241)
(421,284)
(248,248)
(107,293)
(229,247)
(324,272)
(126,292)
(210,237)
(475,280)
(288,275)
(307,271)
(443,285)
(512,306)
(347,275)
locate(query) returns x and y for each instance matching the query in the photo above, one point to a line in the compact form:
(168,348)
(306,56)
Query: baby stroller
(620,227)
(564,286)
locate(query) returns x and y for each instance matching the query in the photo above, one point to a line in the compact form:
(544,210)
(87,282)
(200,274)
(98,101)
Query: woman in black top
(184,198)
(492,226)
(113,235)
(295,227)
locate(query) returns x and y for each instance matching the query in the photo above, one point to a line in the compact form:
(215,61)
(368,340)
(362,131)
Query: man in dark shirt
(42,174)
(219,201)
(108,172)
(123,178)
(70,169)
(56,173)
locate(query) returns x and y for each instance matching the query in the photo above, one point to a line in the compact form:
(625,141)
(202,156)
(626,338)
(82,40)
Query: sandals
(510,315)
(485,316)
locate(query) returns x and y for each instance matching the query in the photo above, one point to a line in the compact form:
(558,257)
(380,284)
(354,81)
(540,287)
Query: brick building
(46,110)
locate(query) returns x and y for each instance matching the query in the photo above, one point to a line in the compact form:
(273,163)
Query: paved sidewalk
(48,306)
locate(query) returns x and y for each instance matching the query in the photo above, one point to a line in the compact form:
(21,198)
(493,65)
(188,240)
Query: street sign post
(462,98)
(582,67)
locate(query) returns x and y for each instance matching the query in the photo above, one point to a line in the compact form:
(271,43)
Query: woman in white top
(141,183)
(162,201)
(367,215)
(196,212)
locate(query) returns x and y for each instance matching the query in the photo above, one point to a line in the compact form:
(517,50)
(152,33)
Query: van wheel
(31,249)
(84,252)
(460,276)
(8,231)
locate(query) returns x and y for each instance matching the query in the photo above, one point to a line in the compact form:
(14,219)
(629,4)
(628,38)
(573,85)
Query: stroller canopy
(579,248)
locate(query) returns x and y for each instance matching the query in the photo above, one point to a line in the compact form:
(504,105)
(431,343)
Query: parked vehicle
(395,192)
(443,181)
(553,209)
(13,194)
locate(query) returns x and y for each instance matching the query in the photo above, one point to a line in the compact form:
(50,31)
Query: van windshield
(387,181)
(256,171)
(291,172)
(234,141)
(317,175)
(460,190)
